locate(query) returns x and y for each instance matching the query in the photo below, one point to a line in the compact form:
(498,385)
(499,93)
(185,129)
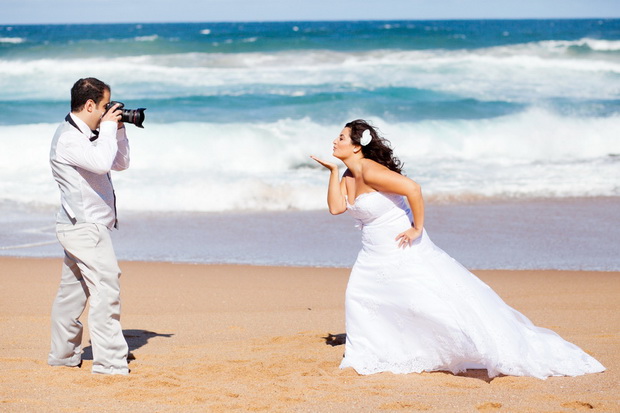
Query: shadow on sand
(335,339)
(135,340)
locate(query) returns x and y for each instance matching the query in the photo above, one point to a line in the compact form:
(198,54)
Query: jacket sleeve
(121,161)
(97,157)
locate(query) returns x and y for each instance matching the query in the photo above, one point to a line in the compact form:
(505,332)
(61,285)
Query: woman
(409,306)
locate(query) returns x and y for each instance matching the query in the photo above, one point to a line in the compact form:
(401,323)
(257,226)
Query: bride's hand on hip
(406,238)
(328,165)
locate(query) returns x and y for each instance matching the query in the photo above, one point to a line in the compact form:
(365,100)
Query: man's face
(100,107)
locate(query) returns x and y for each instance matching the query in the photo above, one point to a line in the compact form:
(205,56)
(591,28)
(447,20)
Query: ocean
(494,118)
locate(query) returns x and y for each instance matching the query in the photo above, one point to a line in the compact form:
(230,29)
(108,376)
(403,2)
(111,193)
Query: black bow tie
(95,132)
(95,135)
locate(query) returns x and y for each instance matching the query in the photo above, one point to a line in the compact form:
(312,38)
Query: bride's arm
(383,179)
(336,189)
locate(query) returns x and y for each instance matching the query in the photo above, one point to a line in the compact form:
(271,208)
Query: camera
(135,116)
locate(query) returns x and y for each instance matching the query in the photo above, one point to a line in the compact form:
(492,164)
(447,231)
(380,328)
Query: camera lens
(135,116)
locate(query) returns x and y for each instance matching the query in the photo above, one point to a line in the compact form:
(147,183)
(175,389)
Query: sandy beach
(240,338)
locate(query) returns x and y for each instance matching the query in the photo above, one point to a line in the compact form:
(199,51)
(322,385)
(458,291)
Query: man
(81,158)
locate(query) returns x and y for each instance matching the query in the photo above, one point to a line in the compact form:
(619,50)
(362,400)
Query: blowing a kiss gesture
(370,168)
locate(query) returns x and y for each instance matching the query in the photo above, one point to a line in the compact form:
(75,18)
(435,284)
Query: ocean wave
(599,45)
(273,37)
(150,38)
(477,75)
(12,40)
(266,166)
(550,48)
(474,108)
(548,53)
(529,55)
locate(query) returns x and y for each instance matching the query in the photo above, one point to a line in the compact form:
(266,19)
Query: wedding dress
(417,309)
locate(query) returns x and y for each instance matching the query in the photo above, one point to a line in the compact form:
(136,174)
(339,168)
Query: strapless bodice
(381,216)
(373,208)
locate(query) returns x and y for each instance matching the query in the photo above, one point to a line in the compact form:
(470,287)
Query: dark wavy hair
(85,89)
(379,148)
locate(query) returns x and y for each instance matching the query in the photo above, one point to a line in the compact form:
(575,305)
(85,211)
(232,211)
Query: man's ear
(90,105)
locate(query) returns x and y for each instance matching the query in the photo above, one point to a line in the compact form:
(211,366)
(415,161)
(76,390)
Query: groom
(81,158)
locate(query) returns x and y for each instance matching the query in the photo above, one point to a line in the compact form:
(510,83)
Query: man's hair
(85,89)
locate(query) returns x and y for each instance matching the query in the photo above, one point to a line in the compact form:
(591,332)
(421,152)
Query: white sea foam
(266,166)
(593,44)
(508,73)
(603,45)
(13,40)
(151,38)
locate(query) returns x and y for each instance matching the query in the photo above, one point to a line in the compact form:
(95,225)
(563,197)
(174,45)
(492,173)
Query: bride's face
(343,146)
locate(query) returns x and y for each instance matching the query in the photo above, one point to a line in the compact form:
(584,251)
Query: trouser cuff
(97,369)
(72,361)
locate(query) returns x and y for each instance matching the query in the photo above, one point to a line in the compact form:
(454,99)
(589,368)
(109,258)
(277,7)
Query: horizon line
(314,21)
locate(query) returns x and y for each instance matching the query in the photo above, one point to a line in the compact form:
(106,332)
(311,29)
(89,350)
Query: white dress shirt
(82,167)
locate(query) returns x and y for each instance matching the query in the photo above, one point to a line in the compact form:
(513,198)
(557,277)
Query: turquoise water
(479,111)
(401,71)
(475,109)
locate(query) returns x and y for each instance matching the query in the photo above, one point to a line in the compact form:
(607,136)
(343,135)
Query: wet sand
(563,234)
(241,338)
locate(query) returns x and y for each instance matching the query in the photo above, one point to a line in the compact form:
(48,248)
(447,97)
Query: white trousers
(90,269)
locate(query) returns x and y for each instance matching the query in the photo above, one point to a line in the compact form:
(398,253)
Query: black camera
(135,116)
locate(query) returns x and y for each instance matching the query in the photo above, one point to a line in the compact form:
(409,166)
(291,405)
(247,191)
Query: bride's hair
(378,149)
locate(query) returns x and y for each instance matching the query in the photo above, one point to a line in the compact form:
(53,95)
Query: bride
(410,307)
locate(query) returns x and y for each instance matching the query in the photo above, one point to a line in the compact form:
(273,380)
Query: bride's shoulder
(370,167)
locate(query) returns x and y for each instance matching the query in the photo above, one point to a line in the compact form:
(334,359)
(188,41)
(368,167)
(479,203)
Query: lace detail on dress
(370,307)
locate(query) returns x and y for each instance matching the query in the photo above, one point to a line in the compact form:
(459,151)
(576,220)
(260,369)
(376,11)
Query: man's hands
(113,114)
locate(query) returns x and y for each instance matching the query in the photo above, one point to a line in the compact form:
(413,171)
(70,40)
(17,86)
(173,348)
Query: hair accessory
(366,137)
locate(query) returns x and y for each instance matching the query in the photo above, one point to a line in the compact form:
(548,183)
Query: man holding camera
(82,158)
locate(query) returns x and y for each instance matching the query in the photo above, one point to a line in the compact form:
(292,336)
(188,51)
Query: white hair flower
(366,137)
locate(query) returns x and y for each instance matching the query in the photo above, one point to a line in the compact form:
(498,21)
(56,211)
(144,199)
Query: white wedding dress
(417,309)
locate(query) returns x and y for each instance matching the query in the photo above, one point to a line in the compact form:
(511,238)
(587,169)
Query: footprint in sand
(488,407)
(578,405)
(404,406)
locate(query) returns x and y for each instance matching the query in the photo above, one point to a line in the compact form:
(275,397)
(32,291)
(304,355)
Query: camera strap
(69,119)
